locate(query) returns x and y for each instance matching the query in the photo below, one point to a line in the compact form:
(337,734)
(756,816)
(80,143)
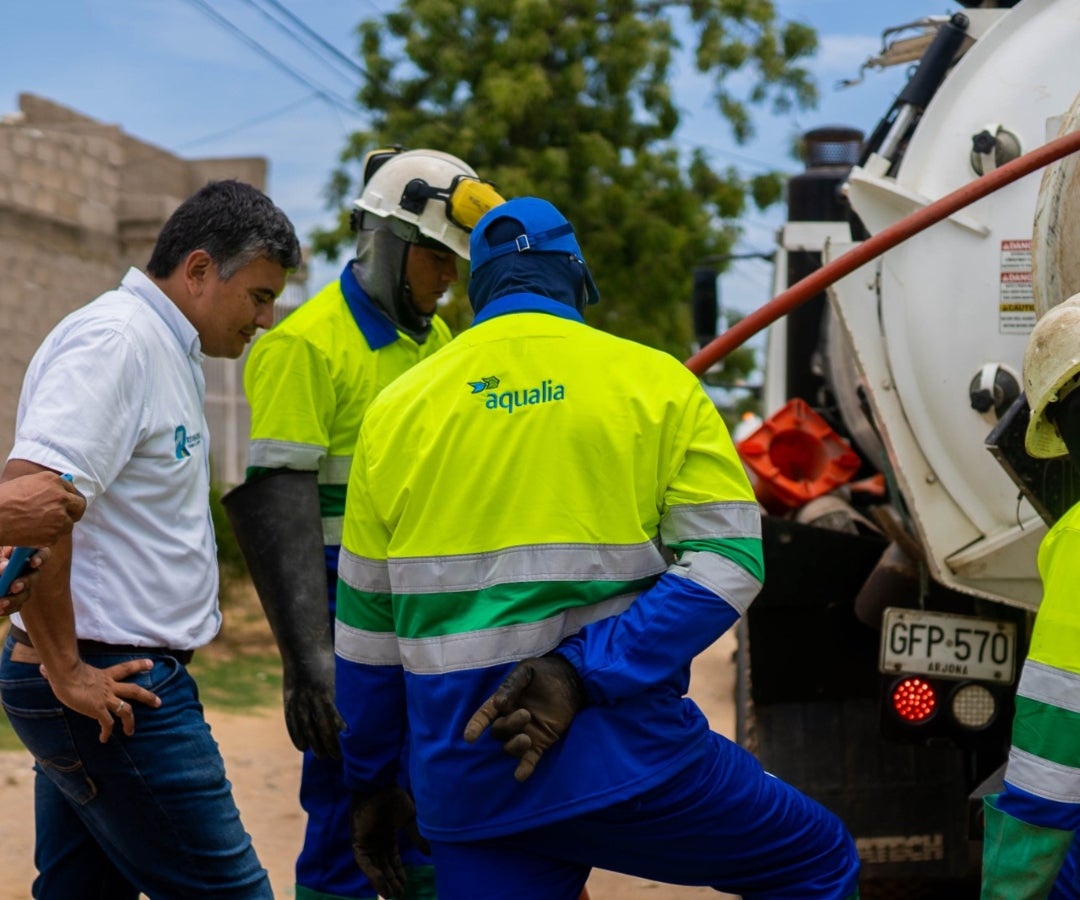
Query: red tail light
(914,700)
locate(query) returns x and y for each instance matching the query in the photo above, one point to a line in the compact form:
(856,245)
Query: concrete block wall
(80,202)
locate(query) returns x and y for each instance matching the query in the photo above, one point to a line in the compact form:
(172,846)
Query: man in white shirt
(114,396)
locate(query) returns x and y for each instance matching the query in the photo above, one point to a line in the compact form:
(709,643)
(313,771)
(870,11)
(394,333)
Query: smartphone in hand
(18,564)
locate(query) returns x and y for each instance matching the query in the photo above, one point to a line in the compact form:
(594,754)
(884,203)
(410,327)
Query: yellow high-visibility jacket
(539,485)
(310,379)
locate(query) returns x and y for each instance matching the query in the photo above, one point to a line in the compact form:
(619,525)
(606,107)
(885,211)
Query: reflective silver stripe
(362,573)
(495,646)
(285,455)
(1042,777)
(1051,685)
(720,575)
(727,519)
(532,562)
(268,454)
(371,648)
(335,470)
(332,526)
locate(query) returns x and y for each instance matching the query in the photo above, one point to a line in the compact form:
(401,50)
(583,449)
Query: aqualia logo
(545,392)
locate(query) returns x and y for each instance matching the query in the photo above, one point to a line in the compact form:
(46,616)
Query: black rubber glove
(311,717)
(376,819)
(278,526)
(531,710)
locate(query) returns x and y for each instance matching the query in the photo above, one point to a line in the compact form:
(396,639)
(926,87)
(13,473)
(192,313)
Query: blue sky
(167,72)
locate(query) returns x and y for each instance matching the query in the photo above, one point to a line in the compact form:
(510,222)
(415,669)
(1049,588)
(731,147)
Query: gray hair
(234,222)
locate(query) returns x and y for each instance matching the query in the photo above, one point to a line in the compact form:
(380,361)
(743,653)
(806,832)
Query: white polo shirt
(114,395)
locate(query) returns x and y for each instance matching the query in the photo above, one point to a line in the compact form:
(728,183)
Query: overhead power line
(273,114)
(331,52)
(324,93)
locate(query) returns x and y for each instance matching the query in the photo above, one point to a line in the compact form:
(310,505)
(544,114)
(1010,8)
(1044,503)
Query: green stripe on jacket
(430,615)
(1047,731)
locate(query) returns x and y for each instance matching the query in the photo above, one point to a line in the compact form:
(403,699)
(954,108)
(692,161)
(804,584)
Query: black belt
(90,648)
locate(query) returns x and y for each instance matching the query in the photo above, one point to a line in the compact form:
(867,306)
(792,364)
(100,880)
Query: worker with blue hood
(538,256)
(544,525)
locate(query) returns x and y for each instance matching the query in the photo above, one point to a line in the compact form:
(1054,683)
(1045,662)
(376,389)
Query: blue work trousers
(723,822)
(326,868)
(151,813)
(1067,885)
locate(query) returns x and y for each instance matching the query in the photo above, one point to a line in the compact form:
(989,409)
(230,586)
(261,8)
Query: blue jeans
(150,813)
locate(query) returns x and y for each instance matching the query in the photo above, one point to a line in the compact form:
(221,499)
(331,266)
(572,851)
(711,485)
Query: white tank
(950,309)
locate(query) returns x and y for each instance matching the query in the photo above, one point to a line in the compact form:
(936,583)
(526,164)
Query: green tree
(571,100)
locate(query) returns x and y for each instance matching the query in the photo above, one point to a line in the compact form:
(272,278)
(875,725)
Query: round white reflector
(973,706)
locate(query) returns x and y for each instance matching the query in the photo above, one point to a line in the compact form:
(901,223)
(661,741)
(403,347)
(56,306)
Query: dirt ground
(264,769)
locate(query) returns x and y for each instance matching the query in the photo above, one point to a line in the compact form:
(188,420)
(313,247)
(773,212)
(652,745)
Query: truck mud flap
(807,705)
(905,805)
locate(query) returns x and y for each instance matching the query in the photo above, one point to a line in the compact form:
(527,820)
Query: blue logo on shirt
(182,440)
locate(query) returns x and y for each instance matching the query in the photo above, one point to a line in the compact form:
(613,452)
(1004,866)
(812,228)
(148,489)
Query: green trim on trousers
(419,885)
(1020,860)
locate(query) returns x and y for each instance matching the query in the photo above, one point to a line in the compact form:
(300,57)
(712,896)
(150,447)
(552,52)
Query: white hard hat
(1051,372)
(428,194)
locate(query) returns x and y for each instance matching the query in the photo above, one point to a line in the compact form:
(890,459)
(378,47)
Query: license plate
(947,646)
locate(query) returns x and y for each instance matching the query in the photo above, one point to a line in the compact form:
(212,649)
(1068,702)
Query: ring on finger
(120,707)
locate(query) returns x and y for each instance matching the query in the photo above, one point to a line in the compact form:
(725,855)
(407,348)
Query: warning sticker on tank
(1016,300)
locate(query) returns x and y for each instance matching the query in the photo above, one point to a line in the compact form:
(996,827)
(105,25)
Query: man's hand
(102,694)
(311,717)
(531,710)
(37,509)
(22,587)
(376,820)
(50,506)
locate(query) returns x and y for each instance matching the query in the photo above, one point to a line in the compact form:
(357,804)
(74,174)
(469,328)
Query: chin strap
(1066,416)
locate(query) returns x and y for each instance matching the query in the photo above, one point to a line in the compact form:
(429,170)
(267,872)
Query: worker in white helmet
(1032,823)
(309,381)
